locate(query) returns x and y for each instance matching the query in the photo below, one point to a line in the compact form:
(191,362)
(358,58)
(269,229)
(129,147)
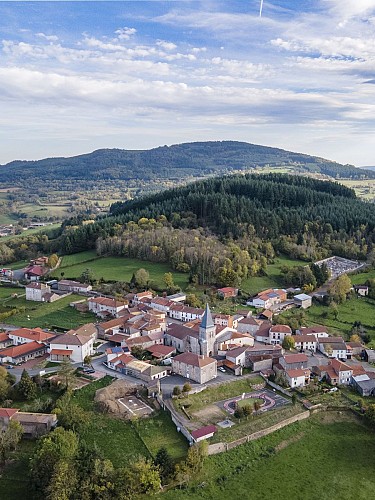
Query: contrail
(261,8)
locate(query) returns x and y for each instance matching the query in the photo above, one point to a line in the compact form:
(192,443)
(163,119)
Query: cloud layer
(297,79)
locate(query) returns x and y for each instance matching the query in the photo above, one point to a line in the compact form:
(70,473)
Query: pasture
(42,314)
(327,456)
(273,279)
(116,269)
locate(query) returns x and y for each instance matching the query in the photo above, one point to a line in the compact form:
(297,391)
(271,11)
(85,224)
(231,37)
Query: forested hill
(274,204)
(174,162)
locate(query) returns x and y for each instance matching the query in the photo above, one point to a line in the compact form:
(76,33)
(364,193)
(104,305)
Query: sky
(79,76)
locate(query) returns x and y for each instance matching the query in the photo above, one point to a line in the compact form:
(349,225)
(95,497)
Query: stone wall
(213,449)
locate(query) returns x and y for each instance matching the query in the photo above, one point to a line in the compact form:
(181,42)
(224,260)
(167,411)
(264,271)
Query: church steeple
(207,332)
(207,321)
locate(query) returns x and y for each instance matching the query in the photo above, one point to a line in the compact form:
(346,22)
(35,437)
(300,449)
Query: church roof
(207,321)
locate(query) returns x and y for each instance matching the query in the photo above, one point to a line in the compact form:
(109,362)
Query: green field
(121,440)
(13,479)
(361,278)
(116,268)
(355,309)
(255,284)
(329,456)
(44,315)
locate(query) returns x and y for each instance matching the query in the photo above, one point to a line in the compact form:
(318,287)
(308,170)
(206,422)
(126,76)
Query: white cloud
(125,33)
(50,38)
(166,45)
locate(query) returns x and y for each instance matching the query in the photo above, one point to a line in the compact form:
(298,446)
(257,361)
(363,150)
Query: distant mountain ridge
(195,159)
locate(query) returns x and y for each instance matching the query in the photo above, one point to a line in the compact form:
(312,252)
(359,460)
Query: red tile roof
(204,431)
(295,358)
(194,359)
(33,334)
(297,372)
(281,329)
(21,350)
(8,412)
(62,352)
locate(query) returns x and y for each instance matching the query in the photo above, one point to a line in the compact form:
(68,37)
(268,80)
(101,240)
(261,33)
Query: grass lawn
(249,402)
(355,309)
(7,291)
(255,284)
(13,478)
(119,439)
(361,278)
(160,431)
(116,269)
(328,456)
(220,392)
(47,315)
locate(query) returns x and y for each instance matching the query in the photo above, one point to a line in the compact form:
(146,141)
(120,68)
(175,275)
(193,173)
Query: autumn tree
(288,342)
(9,438)
(142,278)
(340,288)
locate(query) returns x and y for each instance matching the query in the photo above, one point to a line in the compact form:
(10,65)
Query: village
(176,353)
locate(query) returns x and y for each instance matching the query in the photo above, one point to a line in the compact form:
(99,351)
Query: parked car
(221,369)
(87,369)
(9,367)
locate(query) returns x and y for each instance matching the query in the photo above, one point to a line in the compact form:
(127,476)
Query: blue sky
(79,76)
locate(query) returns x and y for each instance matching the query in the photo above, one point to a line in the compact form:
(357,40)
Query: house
(335,372)
(161,304)
(74,346)
(33,424)
(248,325)
(277,333)
(37,291)
(318,331)
(73,286)
(259,363)
(368,355)
(333,347)
(237,355)
(356,348)
(263,333)
(5,341)
(21,353)
(302,300)
(294,361)
(103,306)
(140,296)
(177,297)
(203,433)
(185,313)
(34,273)
(268,298)
(129,365)
(361,290)
(196,367)
(227,292)
(275,351)
(364,384)
(26,335)
(225,320)
(161,351)
(297,377)
(305,342)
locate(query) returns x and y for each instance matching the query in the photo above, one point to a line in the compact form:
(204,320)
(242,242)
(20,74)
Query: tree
(66,373)
(87,276)
(165,463)
(334,310)
(70,415)
(88,360)
(196,455)
(26,387)
(169,283)
(141,278)
(9,438)
(60,444)
(355,338)
(4,383)
(257,406)
(63,482)
(340,288)
(294,398)
(53,260)
(139,478)
(186,387)
(176,391)
(288,342)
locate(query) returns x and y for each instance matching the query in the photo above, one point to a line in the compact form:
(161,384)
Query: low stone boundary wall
(213,449)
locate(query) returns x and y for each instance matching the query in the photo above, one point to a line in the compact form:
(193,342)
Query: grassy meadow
(326,457)
(273,278)
(116,268)
(122,440)
(41,314)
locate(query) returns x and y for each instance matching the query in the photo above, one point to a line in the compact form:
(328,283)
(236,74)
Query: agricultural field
(273,279)
(44,315)
(320,458)
(364,189)
(116,269)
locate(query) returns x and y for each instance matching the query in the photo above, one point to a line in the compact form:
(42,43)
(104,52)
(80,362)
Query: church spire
(207,321)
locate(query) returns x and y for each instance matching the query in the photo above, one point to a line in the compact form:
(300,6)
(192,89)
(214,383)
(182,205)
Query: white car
(221,369)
